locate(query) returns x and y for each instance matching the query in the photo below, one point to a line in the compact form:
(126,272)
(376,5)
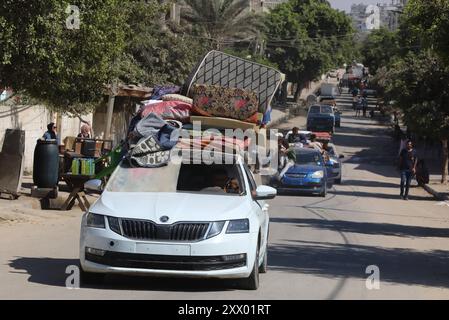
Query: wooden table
(76,184)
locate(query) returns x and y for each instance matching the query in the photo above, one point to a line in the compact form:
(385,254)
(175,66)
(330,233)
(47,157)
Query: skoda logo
(163,219)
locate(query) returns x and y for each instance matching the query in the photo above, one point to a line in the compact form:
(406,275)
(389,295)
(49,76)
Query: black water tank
(46,164)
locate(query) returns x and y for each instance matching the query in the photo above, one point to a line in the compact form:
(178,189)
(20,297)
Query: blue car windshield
(308,158)
(314,109)
(326,109)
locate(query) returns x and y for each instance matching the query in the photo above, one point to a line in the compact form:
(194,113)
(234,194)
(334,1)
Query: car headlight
(318,174)
(95,220)
(238,226)
(215,229)
(114,225)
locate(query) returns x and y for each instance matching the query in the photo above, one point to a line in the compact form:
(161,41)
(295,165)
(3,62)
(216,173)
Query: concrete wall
(33,120)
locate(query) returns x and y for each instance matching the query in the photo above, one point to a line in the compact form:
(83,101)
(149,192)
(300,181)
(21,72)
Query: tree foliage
(426,22)
(379,49)
(64,68)
(306,38)
(419,84)
(221,21)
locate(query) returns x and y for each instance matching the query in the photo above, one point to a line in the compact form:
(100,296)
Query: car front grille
(296,175)
(148,230)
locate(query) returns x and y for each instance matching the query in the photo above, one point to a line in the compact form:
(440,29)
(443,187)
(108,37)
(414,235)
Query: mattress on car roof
(219,68)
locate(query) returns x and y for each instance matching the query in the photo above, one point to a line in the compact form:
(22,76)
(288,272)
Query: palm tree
(221,21)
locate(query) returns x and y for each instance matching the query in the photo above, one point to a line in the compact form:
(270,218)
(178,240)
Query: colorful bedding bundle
(173,110)
(233,103)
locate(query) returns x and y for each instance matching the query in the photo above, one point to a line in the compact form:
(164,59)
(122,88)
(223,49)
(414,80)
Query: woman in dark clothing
(51,132)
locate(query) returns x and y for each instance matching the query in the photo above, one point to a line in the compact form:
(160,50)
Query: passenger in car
(232,186)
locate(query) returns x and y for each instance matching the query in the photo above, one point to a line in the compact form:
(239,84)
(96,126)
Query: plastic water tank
(46,164)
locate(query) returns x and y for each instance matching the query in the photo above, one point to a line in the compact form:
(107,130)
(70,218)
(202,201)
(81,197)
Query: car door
(260,207)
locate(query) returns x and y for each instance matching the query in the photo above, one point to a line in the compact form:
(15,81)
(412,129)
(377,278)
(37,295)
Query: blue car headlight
(317,174)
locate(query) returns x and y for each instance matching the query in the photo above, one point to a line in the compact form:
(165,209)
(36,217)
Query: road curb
(435,194)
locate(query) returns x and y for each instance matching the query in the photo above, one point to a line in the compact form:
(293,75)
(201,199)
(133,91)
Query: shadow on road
(51,271)
(376,195)
(385,229)
(371,184)
(396,265)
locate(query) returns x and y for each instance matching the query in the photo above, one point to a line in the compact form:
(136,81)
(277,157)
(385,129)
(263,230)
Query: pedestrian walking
(358,107)
(407,166)
(364,106)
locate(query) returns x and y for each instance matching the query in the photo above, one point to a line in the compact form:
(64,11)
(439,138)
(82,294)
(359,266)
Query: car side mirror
(265,193)
(95,185)
(341,156)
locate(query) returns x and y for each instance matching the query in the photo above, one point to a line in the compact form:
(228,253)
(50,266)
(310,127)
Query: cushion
(176,110)
(233,103)
(177,97)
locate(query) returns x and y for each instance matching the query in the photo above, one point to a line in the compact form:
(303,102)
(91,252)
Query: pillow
(234,103)
(177,97)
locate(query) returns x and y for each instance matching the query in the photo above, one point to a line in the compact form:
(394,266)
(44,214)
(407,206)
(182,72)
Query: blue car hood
(299,168)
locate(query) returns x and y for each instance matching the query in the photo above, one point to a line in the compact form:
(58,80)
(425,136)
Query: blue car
(308,175)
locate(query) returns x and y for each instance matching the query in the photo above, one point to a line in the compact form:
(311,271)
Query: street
(319,248)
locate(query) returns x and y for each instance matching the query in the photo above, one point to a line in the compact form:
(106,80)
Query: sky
(346,4)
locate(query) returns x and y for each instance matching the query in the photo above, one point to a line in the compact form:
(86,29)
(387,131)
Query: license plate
(163,249)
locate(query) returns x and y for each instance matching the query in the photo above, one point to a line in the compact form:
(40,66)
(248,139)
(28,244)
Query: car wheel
(264,266)
(91,278)
(324,192)
(252,282)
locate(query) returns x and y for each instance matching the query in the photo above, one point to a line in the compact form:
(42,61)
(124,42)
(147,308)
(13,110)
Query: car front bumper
(222,256)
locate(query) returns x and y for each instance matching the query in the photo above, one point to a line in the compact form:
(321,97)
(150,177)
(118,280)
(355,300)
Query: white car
(177,220)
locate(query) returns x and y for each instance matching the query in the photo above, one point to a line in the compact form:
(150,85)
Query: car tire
(324,192)
(264,266)
(91,278)
(252,282)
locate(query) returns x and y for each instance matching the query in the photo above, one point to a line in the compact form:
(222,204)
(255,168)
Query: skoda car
(187,219)
(308,175)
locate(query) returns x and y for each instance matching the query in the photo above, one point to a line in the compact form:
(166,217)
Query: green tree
(155,55)
(379,48)
(419,84)
(426,23)
(306,38)
(221,21)
(65,68)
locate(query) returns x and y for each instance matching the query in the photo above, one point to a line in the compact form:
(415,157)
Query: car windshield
(326,109)
(314,109)
(308,158)
(331,151)
(220,179)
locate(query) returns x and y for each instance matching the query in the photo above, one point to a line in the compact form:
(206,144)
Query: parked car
(310,174)
(335,160)
(178,220)
(321,118)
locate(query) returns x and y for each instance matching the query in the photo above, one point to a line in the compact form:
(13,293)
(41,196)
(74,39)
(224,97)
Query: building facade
(371,17)
(264,5)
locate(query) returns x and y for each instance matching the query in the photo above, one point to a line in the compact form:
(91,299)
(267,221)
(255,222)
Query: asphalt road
(319,248)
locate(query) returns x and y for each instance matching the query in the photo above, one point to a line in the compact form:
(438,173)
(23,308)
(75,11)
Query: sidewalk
(432,156)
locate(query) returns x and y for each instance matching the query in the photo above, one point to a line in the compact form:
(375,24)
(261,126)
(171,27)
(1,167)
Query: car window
(314,109)
(326,109)
(249,175)
(221,179)
(308,158)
